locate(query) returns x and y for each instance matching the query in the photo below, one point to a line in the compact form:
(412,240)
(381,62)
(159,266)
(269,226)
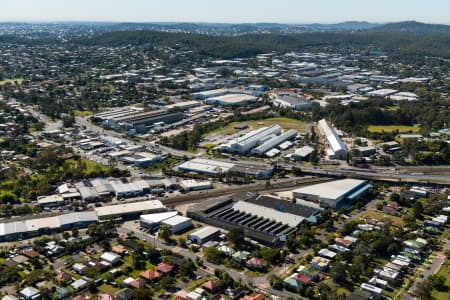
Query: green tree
(212,254)
(338,272)
(236,236)
(164,232)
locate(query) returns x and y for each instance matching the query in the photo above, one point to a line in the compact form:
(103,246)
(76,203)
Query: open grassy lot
(285,123)
(379,215)
(12,81)
(82,113)
(391,128)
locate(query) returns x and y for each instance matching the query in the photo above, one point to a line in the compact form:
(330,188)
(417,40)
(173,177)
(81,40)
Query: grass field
(12,81)
(391,128)
(82,113)
(285,123)
(379,215)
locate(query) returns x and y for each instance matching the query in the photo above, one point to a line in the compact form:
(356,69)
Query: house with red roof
(150,275)
(164,268)
(211,285)
(303,279)
(255,263)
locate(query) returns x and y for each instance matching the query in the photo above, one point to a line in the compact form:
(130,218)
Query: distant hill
(394,43)
(412,27)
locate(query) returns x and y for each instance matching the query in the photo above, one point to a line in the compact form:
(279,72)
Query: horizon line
(211,22)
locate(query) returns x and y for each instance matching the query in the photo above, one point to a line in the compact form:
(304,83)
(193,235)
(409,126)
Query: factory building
(273,142)
(138,121)
(209,167)
(128,210)
(231,100)
(175,222)
(204,235)
(33,227)
(126,190)
(194,185)
(216,168)
(178,223)
(335,194)
(266,219)
(288,99)
(208,94)
(337,149)
(250,140)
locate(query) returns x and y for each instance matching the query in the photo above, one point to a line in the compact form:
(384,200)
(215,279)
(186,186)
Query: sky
(227,11)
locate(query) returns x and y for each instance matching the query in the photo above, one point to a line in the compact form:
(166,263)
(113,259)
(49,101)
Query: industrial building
(204,235)
(176,222)
(128,210)
(126,190)
(209,167)
(29,228)
(302,153)
(337,149)
(208,94)
(216,168)
(183,105)
(273,142)
(266,219)
(292,100)
(138,121)
(194,185)
(154,220)
(231,100)
(142,159)
(335,194)
(251,140)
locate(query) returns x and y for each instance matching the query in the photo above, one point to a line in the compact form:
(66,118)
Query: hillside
(413,27)
(394,43)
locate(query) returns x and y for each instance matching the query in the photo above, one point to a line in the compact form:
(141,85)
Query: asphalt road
(236,275)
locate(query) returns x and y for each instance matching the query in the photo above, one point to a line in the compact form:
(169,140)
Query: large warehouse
(231,100)
(175,222)
(129,210)
(29,228)
(273,142)
(337,149)
(251,140)
(138,120)
(215,168)
(336,194)
(266,219)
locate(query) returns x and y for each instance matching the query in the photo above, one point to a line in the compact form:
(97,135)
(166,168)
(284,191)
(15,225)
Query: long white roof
(50,222)
(331,190)
(158,217)
(207,165)
(128,208)
(330,134)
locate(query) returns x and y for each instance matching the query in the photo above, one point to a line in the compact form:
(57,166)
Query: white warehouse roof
(128,208)
(332,137)
(158,217)
(331,190)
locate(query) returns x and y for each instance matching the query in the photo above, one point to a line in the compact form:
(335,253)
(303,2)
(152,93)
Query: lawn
(285,123)
(391,128)
(106,288)
(444,271)
(82,113)
(12,81)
